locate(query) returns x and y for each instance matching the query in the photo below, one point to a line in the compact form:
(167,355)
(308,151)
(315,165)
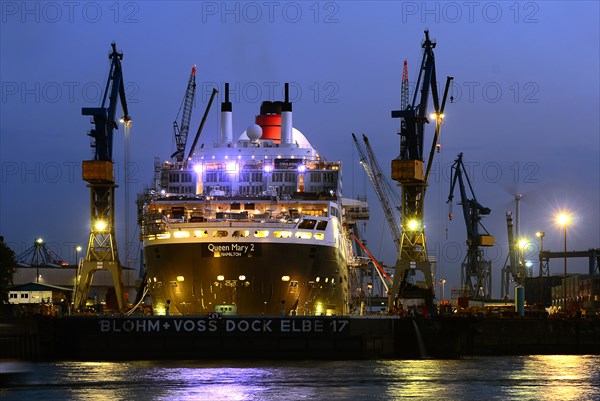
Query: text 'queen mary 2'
(253,225)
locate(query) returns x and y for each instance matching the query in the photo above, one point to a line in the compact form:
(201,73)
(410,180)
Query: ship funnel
(286,118)
(226,119)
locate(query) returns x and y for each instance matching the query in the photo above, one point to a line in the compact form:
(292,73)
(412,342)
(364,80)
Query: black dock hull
(282,337)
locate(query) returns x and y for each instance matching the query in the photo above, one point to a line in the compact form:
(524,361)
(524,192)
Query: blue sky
(525,112)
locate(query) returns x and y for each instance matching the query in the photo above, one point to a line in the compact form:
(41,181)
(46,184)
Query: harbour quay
(291,337)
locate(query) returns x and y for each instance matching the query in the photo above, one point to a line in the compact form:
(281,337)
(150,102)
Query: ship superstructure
(253,225)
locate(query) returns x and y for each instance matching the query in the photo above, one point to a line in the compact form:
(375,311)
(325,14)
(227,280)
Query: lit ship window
(307,224)
(319,236)
(304,234)
(322,225)
(335,212)
(261,233)
(163,236)
(241,233)
(181,234)
(282,234)
(314,212)
(200,234)
(220,233)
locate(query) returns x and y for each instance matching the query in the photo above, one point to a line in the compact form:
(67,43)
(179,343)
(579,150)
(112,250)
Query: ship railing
(267,223)
(154,223)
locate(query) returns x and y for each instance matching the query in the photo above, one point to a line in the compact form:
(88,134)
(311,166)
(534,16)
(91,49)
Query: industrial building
(101,292)
(578,292)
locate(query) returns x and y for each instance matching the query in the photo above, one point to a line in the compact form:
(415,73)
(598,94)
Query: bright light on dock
(413,225)
(562,219)
(100,225)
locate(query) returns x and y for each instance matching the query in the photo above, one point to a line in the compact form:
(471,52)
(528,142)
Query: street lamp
(442,282)
(77,249)
(562,219)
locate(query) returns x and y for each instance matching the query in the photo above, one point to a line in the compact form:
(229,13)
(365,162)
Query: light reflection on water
(482,378)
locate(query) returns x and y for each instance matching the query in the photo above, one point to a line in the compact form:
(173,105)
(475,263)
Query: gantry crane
(476,273)
(181,132)
(385,193)
(102,252)
(407,170)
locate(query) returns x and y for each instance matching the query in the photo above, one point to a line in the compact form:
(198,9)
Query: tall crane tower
(101,251)
(385,193)
(513,265)
(181,131)
(407,170)
(476,273)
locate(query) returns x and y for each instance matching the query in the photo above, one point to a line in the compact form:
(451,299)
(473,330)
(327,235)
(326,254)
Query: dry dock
(262,337)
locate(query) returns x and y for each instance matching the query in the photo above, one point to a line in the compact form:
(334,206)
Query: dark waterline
(483,378)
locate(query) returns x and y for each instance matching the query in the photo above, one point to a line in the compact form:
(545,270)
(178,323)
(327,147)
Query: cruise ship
(253,225)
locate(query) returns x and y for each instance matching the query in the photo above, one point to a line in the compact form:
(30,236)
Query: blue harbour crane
(101,251)
(476,272)
(407,170)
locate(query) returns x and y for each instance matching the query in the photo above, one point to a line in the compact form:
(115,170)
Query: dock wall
(261,337)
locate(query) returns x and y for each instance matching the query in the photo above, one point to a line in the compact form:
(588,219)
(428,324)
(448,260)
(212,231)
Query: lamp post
(540,235)
(563,220)
(442,282)
(38,243)
(77,249)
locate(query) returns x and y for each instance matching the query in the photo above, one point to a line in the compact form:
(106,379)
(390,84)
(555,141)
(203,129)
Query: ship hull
(247,279)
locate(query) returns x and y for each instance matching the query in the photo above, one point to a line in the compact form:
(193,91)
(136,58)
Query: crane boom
(386,280)
(363,159)
(210,102)
(181,132)
(377,180)
(104,117)
(385,193)
(476,271)
(404,91)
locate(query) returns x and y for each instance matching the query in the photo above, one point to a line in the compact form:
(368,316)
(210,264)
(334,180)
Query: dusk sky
(525,112)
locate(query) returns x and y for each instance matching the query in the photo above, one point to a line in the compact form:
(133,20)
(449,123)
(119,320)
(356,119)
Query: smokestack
(286,118)
(226,119)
